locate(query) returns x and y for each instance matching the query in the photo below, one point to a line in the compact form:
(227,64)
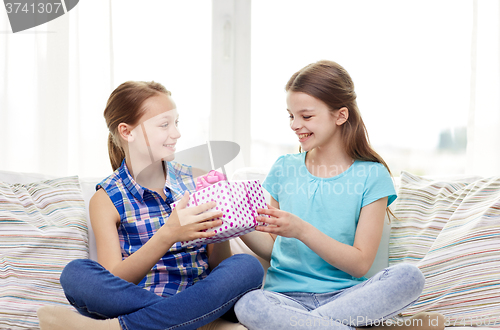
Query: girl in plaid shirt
(144,278)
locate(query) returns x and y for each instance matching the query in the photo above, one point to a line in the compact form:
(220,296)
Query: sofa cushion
(450,230)
(42,228)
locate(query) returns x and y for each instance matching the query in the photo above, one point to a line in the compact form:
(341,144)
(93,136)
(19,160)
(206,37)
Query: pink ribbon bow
(209,179)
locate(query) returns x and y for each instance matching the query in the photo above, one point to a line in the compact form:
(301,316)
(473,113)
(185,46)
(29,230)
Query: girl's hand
(197,213)
(281,223)
(186,224)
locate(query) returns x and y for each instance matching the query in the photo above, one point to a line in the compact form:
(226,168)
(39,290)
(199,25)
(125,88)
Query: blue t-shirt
(332,205)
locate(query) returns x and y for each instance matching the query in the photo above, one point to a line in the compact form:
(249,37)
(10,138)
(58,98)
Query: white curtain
(52,122)
(483,149)
(55,79)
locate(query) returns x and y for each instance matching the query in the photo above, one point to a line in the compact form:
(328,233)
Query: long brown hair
(125,106)
(331,83)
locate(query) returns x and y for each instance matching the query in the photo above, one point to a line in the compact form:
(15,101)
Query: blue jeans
(381,297)
(97,293)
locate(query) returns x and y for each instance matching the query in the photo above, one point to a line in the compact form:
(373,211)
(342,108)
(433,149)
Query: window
(409,60)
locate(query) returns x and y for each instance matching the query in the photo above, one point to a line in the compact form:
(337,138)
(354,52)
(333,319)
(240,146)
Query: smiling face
(156,135)
(313,122)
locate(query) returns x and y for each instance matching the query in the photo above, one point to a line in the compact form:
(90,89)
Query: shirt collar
(138,191)
(135,189)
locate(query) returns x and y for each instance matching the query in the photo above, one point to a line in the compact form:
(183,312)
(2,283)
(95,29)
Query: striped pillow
(42,228)
(451,231)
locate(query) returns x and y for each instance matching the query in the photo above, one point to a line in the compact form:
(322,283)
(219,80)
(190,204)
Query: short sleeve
(184,174)
(378,185)
(272,182)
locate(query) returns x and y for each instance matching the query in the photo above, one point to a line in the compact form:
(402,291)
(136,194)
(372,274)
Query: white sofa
(88,188)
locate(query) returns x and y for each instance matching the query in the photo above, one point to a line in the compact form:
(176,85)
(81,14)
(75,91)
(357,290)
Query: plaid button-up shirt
(142,213)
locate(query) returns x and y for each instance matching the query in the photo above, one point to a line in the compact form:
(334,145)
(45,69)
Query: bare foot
(221,324)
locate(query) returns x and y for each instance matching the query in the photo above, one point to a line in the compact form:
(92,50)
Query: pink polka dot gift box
(238,200)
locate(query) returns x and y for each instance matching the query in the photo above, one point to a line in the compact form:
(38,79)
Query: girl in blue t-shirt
(144,278)
(327,210)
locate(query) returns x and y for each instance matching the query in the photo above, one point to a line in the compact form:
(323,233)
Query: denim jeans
(381,297)
(97,293)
